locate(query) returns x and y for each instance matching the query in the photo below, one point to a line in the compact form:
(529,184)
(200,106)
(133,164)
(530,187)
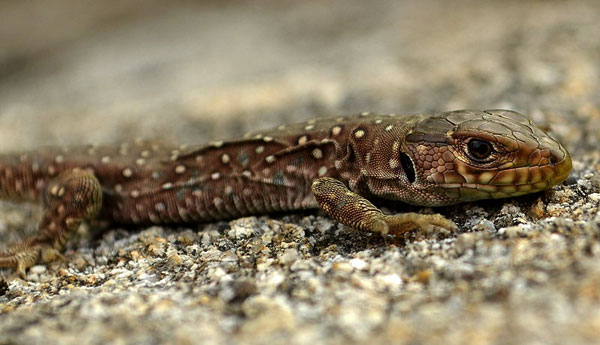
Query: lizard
(335,164)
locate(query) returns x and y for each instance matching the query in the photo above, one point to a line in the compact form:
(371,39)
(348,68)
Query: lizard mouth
(514,181)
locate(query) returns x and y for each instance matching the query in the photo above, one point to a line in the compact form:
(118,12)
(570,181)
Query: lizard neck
(376,162)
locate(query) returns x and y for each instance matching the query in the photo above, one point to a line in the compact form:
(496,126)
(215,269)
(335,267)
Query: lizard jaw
(514,181)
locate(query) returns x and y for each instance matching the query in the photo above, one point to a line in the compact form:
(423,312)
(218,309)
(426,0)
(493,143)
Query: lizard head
(469,155)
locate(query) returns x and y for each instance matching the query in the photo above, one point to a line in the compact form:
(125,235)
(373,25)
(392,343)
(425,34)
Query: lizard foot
(403,222)
(69,199)
(20,259)
(353,210)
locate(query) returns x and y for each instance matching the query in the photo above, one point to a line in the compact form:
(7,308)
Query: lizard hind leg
(353,210)
(69,199)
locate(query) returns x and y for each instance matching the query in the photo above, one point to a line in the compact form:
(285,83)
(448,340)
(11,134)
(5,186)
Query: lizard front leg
(70,198)
(353,210)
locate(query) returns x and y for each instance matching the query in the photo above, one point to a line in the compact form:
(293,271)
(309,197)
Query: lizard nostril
(556,156)
(408,167)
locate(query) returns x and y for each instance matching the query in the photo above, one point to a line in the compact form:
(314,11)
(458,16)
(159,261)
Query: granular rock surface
(517,271)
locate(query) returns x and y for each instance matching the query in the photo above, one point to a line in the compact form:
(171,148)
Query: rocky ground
(518,271)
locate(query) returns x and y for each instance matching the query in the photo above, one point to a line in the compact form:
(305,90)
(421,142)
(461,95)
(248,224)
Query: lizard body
(334,164)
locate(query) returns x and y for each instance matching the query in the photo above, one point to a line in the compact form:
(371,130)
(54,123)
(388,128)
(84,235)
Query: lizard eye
(479,150)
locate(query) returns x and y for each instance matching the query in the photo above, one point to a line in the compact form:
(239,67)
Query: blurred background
(104,71)
(523,271)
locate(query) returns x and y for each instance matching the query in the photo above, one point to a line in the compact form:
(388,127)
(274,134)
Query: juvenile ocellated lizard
(334,164)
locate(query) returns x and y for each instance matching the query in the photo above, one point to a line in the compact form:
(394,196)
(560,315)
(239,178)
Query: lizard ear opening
(408,167)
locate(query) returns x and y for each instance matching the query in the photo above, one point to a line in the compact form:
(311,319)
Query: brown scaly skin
(333,164)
